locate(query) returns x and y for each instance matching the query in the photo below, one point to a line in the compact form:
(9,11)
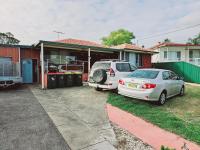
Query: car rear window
(105,66)
(123,67)
(147,74)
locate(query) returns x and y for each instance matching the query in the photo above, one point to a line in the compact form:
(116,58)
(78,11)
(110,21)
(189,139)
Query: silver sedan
(151,85)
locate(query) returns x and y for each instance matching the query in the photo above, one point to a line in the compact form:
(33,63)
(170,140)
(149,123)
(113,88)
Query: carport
(59,52)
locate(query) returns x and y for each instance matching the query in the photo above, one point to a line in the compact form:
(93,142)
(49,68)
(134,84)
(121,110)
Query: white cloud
(91,19)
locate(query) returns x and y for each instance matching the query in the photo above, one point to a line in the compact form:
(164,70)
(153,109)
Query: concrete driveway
(24,125)
(80,116)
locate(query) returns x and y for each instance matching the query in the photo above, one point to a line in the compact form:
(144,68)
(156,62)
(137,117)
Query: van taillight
(112,73)
(121,82)
(148,86)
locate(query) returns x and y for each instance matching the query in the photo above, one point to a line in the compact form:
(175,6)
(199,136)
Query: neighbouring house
(138,56)
(13,60)
(33,61)
(174,52)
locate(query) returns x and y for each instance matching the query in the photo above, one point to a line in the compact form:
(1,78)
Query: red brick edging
(146,131)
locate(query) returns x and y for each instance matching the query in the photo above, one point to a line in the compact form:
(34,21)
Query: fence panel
(190,72)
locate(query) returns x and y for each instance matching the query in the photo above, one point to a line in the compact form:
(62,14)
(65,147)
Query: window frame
(163,75)
(165,54)
(139,60)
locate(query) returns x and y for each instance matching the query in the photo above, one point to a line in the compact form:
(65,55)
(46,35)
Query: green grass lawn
(180,115)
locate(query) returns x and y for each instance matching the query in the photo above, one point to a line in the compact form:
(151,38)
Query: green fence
(191,73)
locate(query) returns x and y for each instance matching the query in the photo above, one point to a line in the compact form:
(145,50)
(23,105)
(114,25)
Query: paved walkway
(80,116)
(147,132)
(24,125)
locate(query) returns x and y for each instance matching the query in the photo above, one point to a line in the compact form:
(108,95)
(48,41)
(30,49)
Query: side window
(165,54)
(133,67)
(178,55)
(123,67)
(173,76)
(166,75)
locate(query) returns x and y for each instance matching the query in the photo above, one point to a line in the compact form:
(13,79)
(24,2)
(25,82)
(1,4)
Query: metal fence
(9,69)
(190,72)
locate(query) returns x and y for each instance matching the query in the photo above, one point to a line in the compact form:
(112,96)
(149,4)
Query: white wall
(160,56)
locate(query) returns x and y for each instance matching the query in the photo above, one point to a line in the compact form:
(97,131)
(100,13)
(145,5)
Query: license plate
(132,85)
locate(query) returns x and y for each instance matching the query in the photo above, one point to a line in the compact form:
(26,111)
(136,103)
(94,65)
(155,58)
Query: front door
(27,70)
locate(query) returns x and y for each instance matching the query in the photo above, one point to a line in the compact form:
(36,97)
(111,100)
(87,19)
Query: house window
(126,55)
(179,55)
(139,60)
(174,55)
(165,54)
(190,54)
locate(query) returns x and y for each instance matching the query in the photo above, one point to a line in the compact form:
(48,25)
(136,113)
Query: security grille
(9,69)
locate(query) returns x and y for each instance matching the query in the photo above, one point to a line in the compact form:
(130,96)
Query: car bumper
(103,86)
(147,95)
(10,80)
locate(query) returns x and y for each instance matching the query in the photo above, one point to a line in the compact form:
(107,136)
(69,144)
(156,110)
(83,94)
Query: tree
(167,40)
(195,40)
(118,37)
(8,38)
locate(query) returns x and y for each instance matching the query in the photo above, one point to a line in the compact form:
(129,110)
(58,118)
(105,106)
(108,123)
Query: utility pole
(58,33)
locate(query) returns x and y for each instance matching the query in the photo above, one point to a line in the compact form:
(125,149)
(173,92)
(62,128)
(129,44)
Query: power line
(169,32)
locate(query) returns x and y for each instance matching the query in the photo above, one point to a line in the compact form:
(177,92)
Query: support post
(120,55)
(42,63)
(19,50)
(124,56)
(88,62)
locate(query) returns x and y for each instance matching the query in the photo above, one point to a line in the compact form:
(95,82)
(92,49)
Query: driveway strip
(80,116)
(24,125)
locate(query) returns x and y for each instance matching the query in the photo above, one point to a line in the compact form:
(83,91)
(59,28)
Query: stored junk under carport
(66,63)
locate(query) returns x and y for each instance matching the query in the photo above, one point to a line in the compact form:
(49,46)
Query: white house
(172,52)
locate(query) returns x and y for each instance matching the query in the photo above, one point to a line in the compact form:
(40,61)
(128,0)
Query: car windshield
(101,66)
(147,74)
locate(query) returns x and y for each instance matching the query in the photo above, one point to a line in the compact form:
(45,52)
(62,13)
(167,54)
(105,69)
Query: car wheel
(162,98)
(182,91)
(98,89)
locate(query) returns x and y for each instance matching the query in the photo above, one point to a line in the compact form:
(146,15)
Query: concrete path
(80,116)
(24,125)
(146,131)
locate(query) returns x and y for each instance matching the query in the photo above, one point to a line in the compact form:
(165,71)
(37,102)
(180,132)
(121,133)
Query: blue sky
(33,20)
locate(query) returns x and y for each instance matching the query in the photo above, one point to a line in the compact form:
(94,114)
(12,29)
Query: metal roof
(75,46)
(16,46)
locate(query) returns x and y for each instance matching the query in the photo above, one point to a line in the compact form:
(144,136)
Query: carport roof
(15,46)
(75,46)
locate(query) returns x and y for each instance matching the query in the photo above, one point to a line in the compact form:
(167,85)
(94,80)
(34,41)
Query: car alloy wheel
(162,98)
